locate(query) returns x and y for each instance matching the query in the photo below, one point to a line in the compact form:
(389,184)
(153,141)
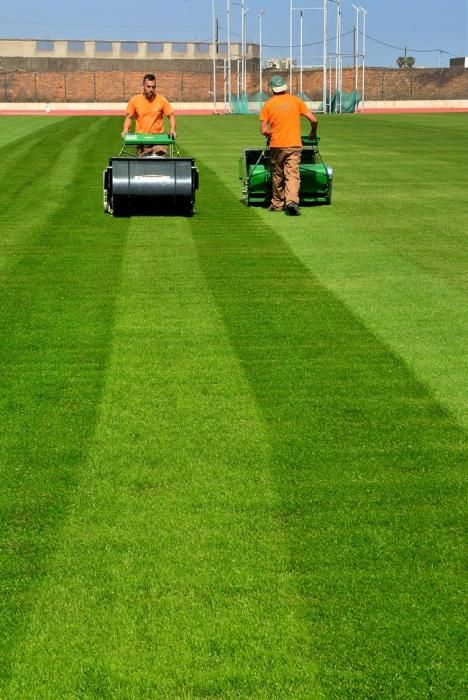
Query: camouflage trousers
(286,180)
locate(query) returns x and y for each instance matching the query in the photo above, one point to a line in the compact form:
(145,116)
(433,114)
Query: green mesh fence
(345,101)
(259,97)
(239,105)
(256,100)
(248,104)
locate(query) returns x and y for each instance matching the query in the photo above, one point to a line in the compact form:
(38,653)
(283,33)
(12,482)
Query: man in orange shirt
(281,124)
(149,109)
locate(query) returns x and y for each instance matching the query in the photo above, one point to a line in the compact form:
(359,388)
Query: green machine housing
(316,175)
(150,185)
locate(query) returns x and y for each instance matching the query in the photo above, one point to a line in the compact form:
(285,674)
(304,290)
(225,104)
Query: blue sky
(432,30)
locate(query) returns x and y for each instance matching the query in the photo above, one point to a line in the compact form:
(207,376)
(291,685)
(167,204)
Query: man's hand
(173,135)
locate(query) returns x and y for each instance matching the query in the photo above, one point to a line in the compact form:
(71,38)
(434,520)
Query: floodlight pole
(290,42)
(229,57)
(324,9)
(244,50)
(364,13)
(300,54)
(356,48)
(325,54)
(338,58)
(213,15)
(260,14)
(243,45)
(225,85)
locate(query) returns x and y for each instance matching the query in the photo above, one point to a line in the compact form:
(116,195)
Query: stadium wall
(195,86)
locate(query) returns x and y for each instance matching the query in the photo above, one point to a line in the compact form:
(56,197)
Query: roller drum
(153,185)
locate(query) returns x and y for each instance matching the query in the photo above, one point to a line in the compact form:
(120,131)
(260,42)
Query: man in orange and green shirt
(148,109)
(281,124)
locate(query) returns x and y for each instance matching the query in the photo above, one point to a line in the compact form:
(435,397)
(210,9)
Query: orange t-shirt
(149,114)
(283,113)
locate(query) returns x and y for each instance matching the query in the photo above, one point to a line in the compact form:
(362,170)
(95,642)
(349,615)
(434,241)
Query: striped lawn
(233,446)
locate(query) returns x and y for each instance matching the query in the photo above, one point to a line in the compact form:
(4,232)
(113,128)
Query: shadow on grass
(367,465)
(57,311)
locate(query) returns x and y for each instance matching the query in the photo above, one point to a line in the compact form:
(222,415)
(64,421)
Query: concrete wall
(197,86)
(9,64)
(125,50)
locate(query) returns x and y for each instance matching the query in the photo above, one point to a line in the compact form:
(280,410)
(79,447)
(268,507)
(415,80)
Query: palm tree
(405,61)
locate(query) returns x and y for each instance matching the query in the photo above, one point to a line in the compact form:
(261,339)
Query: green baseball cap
(277,84)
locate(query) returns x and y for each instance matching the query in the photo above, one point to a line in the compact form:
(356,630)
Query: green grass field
(233,446)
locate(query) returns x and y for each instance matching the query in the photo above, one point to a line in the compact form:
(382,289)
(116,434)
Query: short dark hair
(149,76)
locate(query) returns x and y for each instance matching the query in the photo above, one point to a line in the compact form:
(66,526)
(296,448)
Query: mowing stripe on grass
(170,574)
(396,253)
(393,244)
(57,299)
(368,466)
(253,497)
(24,130)
(38,173)
(421,318)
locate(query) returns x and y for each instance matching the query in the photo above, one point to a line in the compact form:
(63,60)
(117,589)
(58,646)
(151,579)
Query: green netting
(345,101)
(248,104)
(239,105)
(256,101)
(259,97)
(252,104)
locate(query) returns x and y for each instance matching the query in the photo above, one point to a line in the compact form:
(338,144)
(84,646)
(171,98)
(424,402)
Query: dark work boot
(292,209)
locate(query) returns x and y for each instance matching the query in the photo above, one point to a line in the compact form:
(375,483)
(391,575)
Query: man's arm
(265,128)
(172,124)
(126,125)
(313,123)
